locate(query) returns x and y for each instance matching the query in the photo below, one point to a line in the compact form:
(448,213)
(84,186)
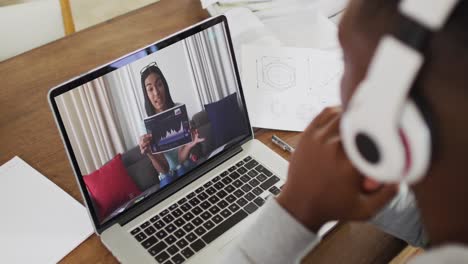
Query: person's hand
(196,138)
(145,144)
(322,184)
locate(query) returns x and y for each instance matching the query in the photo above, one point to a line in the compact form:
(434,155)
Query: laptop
(183,200)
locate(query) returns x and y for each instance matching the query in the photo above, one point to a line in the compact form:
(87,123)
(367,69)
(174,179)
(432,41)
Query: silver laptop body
(192,210)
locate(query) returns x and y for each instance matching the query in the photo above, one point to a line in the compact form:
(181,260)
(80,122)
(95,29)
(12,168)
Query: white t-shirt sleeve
(275,237)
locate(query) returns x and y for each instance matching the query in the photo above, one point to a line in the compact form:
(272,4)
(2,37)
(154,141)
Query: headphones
(383,130)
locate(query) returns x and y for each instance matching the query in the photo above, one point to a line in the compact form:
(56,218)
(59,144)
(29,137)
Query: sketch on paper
(276,74)
(320,78)
(285,88)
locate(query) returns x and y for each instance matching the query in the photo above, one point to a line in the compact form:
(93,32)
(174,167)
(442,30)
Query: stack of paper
(328,7)
(245,28)
(289,58)
(40,222)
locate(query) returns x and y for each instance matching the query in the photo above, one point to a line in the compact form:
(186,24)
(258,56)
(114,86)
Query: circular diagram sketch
(274,73)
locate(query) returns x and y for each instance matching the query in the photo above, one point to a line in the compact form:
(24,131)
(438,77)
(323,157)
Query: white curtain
(129,104)
(211,64)
(91,125)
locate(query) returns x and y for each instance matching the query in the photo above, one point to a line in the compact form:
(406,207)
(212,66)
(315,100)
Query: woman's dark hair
(148,106)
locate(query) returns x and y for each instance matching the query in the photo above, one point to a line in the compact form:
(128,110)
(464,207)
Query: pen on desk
(282,144)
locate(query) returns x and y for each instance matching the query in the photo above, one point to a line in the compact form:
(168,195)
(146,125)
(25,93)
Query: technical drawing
(320,78)
(276,74)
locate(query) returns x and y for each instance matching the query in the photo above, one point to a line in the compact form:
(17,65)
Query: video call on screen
(158,116)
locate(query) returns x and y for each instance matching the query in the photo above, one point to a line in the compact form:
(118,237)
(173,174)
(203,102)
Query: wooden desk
(27,128)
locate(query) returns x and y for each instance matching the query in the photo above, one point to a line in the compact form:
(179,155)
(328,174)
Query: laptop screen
(136,126)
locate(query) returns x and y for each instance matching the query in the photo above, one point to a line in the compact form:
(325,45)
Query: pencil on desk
(282,144)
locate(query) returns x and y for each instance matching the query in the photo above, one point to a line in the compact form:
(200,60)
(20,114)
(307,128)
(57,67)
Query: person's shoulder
(444,254)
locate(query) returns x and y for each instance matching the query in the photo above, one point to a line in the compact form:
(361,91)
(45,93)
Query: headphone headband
(432,14)
(391,55)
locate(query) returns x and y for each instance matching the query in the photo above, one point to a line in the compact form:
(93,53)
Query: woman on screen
(172,163)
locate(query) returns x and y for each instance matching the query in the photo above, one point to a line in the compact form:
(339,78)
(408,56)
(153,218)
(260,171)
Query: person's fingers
(318,120)
(368,185)
(146,149)
(322,119)
(371,203)
(332,128)
(353,176)
(147,139)
(142,140)
(327,114)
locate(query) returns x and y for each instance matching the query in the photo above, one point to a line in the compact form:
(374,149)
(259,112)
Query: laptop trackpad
(228,244)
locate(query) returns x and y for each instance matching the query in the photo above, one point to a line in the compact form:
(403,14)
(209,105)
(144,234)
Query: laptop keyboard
(188,225)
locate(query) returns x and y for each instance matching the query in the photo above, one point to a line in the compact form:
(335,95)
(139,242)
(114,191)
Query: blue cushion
(227,120)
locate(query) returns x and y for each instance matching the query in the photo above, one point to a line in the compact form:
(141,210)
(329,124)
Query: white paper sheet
(246,28)
(40,223)
(207,3)
(242,1)
(293,23)
(285,88)
(332,7)
(306,28)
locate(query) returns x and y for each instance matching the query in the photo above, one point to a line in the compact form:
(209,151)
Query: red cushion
(111,186)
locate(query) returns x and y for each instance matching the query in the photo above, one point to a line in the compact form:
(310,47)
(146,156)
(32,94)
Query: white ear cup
(375,149)
(418,140)
(384,152)
(381,123)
